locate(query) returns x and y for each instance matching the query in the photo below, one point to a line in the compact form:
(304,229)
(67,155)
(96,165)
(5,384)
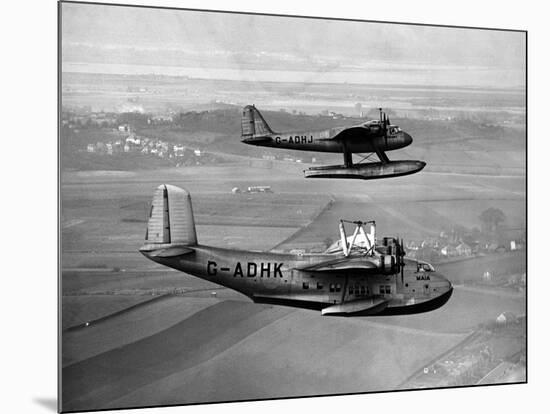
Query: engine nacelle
(390,256)
(389,264)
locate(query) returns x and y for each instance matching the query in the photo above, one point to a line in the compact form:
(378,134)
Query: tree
(491,219)
(458,232)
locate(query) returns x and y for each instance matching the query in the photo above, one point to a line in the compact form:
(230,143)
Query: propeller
(401,258)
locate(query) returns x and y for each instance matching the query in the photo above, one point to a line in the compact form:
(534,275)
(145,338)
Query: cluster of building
(447,247)
(144,145)
(253,189)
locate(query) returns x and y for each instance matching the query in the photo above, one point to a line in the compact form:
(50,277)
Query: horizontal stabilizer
(257,140)
(350,264)
(365,307)
(170,251)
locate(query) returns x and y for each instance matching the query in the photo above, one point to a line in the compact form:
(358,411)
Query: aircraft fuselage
(322,141)
(275,278)
(374,136)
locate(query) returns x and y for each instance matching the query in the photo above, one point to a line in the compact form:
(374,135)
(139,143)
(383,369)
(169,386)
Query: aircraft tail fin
(171,220)
(253,123)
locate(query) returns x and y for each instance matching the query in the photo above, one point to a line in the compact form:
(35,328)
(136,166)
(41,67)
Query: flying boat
(358,275)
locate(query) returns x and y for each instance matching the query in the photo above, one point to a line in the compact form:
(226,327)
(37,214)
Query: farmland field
(103,221)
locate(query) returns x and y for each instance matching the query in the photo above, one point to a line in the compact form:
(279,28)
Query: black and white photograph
(266,206)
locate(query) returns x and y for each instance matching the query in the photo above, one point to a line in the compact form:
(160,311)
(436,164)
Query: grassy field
(105,215)
(80,309)
(496,264)
(136,324)
(236,357)
(103,225)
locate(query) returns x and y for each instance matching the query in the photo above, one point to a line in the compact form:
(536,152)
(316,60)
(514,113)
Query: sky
(115,39)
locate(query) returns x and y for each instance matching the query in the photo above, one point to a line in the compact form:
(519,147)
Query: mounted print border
(257,206)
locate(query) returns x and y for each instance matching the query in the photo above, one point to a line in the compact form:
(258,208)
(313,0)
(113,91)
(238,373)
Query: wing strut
(382,155)
(348,156)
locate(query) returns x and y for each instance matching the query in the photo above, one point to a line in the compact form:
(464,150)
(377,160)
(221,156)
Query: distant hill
(453,145)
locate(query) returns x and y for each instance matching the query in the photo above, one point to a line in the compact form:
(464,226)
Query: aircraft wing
(348,264)
(347,133)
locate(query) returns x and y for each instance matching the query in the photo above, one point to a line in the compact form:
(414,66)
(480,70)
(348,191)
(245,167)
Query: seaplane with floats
(356,276)
(372,137)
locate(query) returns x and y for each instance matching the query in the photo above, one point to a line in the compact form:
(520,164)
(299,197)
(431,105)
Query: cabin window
(338,287)
(350,290)
(362,290)
(382,290)
(388,289)
(305,285)
(357,290)
(331,287)
(319,285)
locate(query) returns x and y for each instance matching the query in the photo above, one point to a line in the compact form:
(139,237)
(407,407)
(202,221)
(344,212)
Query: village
(116,138)
(110,133)
(145,145)
(453,244)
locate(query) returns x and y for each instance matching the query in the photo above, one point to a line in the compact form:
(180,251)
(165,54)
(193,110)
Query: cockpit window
(425,267)
(373,122)
(373,125)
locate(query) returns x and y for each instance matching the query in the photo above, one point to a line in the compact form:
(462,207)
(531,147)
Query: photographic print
(264,206)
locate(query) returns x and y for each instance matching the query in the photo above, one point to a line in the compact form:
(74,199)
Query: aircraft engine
(391,256)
